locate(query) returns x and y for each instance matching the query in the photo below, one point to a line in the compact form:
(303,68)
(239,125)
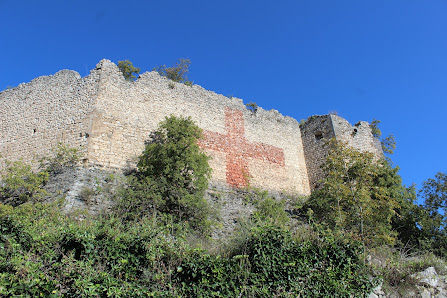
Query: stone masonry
(110,119)
(318,129)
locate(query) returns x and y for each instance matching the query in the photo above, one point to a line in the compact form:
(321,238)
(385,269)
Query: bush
(128,70)
(46,253)
(267,209)
(275,265)
(177,73)
(252,106)
(62,157)
(397,268)
(20,184)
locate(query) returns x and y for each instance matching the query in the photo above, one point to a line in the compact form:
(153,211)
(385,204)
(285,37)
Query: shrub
(20,184)
(252,106)
(267,209)
(62,157)
(177,73)
(128,70)
(273,264)
(397,268)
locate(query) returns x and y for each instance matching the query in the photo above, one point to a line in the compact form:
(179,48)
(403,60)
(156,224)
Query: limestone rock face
(429,284)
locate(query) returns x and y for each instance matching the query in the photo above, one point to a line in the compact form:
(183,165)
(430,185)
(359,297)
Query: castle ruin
(110,119)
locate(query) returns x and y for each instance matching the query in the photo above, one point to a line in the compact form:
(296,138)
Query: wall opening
(318,135)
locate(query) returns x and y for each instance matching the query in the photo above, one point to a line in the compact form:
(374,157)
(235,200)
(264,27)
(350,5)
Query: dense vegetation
(155,241)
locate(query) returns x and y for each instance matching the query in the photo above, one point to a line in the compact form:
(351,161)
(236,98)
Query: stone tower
(317,130)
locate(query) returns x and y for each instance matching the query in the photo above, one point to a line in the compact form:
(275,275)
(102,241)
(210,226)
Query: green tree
(388,143)
(433,221)
(359,194)
(172,175)
(128,70)
(177,73)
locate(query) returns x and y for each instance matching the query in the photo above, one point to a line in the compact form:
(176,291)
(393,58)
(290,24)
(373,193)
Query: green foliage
(433,221)
(358,194)
(44,252)
(172,175)
(20,184)
(268,210)
(423,227)
(177,73)
(388,143)
(252,106)
(273,264)
(62,157)
(128,70)
(375,130)
(434,190)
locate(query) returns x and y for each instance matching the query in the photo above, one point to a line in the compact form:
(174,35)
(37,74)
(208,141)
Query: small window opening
(85,162)
(318,136)
(34,130)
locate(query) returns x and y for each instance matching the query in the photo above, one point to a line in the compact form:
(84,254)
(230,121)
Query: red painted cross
(238,150)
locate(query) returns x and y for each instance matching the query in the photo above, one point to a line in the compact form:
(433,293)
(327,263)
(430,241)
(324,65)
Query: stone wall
(262,148)
(110,118)
(315,133)
(35,116)
(358,136)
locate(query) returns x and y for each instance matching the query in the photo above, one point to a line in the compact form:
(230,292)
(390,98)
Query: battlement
(110,118)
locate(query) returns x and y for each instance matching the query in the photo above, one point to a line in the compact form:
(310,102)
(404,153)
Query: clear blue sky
(364,59)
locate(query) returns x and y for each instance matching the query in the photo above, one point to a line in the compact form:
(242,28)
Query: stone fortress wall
(35,116)
(110,118)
